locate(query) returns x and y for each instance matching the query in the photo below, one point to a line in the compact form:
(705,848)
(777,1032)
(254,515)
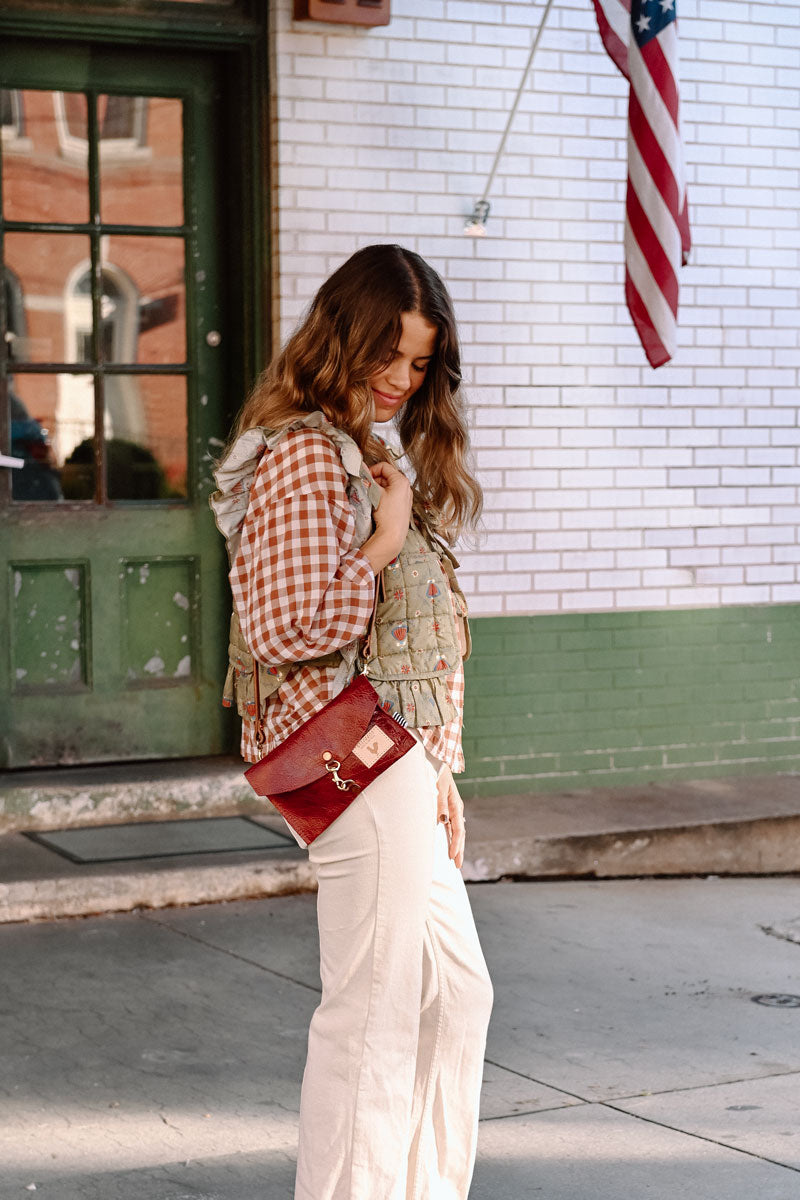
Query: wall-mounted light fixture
(475,224)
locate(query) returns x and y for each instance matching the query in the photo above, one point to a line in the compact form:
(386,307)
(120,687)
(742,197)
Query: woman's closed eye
(416,365)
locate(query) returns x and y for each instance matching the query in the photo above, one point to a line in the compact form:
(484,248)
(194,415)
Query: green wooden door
(113,596)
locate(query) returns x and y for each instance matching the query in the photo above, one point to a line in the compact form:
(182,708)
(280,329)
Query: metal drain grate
(162,839)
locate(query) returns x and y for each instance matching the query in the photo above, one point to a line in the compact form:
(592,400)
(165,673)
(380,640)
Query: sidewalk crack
(541,1082)
(251,962)
(697,1087)
(533,1112)
(700,1137)
(610,1101)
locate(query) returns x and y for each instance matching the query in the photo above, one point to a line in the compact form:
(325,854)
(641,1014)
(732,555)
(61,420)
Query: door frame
(238,43)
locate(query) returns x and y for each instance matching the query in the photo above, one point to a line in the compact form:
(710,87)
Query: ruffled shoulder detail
(235,473)
(234,476)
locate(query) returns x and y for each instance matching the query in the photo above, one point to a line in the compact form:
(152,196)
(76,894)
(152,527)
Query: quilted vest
(420,630)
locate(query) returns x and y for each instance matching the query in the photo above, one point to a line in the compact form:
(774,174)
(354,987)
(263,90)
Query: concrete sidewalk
(738,826)
(645,1043)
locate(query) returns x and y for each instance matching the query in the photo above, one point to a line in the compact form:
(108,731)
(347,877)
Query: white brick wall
(607,484)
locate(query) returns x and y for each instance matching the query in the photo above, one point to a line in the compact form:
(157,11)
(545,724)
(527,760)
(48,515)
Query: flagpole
(481,210)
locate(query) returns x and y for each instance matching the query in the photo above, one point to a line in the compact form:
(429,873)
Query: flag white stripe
(656,112)
(619,18)
(658,213)
(669,44)
(651,295)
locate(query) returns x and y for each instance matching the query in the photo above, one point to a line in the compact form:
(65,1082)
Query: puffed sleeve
(302,588)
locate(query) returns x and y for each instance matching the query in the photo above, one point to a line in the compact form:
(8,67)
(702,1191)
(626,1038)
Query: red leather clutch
(317,772)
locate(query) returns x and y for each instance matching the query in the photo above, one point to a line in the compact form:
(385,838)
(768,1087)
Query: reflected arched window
(118,317)
(117,335)
(15,310)
(119,311)
(11,114)
(121,125)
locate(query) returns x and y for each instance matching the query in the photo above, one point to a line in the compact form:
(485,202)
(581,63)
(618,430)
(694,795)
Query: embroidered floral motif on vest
(415,645)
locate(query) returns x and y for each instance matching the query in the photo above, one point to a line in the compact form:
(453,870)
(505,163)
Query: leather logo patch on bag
(372,746)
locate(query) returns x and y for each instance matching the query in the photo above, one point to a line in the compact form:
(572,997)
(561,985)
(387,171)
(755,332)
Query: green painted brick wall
(562,701)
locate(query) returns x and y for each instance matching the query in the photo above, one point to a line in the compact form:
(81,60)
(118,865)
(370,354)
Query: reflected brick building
(140,317)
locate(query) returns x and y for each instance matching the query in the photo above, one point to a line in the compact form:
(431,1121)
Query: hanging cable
(475,225)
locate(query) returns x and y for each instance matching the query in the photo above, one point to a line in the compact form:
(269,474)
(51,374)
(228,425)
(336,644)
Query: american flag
(641,38)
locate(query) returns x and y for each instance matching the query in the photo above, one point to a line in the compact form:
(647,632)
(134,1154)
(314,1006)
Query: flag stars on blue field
(649,17)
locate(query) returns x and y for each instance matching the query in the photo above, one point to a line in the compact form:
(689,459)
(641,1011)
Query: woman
(316,512)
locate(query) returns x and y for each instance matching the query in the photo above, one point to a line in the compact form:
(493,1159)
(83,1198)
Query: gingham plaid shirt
(301,589)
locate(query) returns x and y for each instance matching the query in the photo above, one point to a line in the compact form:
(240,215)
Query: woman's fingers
(393,514)
(382,471)
(450,811)
(443,781)
(458,830)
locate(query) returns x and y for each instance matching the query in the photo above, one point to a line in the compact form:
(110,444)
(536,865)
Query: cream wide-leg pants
(389,1105)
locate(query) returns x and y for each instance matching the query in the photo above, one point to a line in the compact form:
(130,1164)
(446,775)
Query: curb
(91,895)
(759,846)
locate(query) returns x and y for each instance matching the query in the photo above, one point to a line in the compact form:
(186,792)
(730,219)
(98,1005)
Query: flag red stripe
(654,157)
(657,259)
(656,62)
(617,50)
(654,348)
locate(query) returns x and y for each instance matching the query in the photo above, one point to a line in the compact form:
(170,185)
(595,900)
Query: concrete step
(725,826)
(730,826)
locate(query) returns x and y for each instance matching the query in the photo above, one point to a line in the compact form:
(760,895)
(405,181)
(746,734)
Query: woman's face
(404,374)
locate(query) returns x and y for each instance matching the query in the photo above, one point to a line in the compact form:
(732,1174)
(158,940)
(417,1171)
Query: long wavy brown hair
(349,334)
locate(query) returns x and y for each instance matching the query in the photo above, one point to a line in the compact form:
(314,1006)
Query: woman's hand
(392,516)
(450,811)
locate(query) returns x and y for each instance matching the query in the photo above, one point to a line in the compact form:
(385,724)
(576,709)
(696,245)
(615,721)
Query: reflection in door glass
(145,435)
(117,324)
(141,160)
(50,415)
(39,477)
(45,167)
(81,321)
(143,312)
(44,269)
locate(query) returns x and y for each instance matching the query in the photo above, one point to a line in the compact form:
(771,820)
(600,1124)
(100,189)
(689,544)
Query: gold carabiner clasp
(334,766)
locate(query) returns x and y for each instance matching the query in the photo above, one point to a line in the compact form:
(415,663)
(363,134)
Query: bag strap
(380,594)
(261,736)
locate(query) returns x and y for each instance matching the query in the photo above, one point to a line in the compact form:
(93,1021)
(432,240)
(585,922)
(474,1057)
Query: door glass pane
(45,163)
(50,415)
(143,312)
(146,436)
(48,320)
(141,160)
